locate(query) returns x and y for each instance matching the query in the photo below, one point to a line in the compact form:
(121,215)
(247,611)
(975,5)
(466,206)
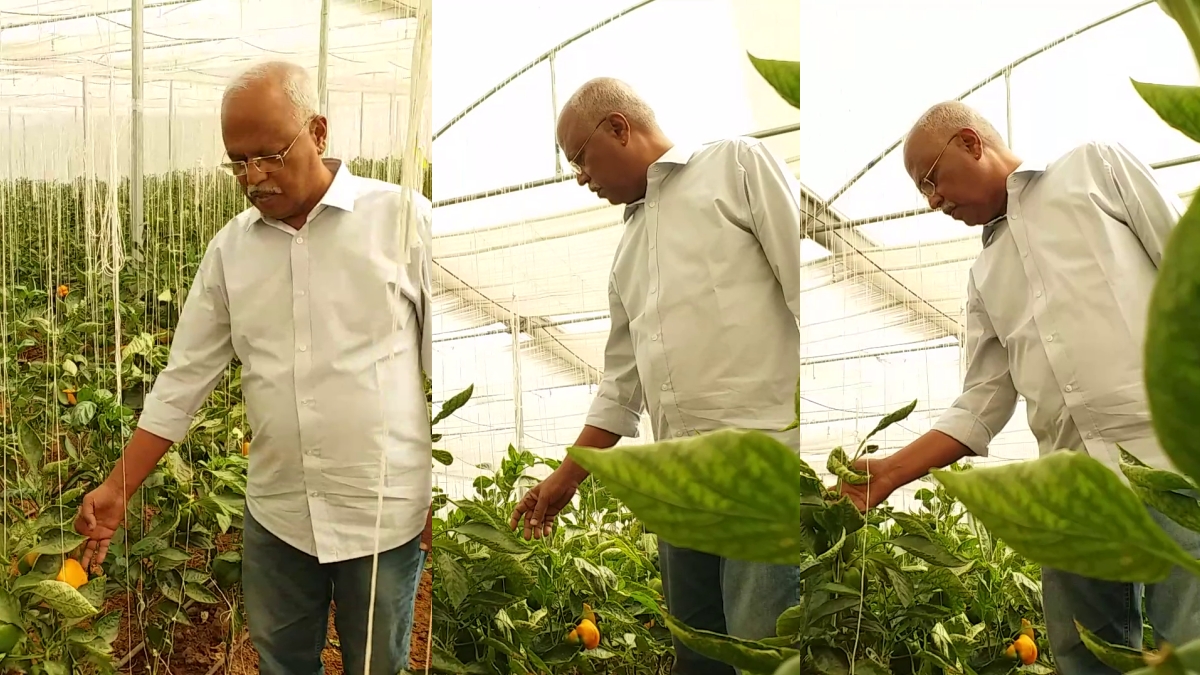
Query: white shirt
(1057,307)
(705,298)
(331,323)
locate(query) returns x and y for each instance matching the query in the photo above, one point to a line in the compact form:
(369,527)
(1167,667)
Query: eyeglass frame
(231,166)
(571,161)
(925,181)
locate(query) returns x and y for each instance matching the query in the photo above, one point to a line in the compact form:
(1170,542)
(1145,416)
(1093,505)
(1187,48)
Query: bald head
(282,80)
(948,118)
(958,160)
(605,95)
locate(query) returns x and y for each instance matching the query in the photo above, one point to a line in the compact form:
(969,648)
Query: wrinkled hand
(542,503)
(99,518)
(872,493)
(427,535)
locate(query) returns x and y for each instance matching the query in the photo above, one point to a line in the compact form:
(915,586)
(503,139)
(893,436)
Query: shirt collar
(675,156)
(1023,172)
(342,192)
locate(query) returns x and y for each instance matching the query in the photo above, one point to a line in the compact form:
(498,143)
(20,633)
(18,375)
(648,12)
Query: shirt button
(299,240)
(301,293)
(1038,294)
(654,338)
(666,387)
(1070,388)
(1050,338)
(1090,434)
(314,493)
(679,434)
(308,401)
(303,348)
(651,204)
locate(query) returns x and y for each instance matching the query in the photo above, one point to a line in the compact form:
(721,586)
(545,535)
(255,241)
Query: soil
(201,646)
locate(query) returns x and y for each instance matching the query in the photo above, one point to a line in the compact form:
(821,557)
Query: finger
(103,552)
(86,558)
(524,507)
(87,514)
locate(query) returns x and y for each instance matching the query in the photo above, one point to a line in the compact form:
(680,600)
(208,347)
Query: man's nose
(935,201)
(253,175)
(582,178)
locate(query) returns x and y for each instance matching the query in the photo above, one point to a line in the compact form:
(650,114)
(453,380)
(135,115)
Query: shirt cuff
(966,428)
(164,420)
(613,418)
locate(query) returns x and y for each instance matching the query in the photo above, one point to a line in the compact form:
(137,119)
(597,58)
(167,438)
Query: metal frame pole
(323,61)
(136,130)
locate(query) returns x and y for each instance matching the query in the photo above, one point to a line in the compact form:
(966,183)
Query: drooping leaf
(58,542)
(491,537)
(745,655)
(1172,364)
(1188,655)
(834,606)
(227,569)
(200,594)
(1120,657)
(928,550)
(892,418)
(816,564)
(31,446)
(1178,106)
(108,626)
(830,660)
(1139,473)
(791,621)
(1180,508)
(1069,512)
(452,577)
(783,76)
(443,457)
(10,609)
(63,599)
(791,666)
(838,464)
(692,495)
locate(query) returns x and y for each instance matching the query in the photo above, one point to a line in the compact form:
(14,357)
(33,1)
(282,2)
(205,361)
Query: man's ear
(620,127)
(972,142)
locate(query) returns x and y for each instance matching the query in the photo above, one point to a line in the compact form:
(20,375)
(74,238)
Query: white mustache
(255,192)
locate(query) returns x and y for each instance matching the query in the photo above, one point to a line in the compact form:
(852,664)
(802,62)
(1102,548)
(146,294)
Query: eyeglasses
(572,160)
(267,164)
(927,186)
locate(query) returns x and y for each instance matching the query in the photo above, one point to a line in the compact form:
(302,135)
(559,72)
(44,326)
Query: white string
(410,180)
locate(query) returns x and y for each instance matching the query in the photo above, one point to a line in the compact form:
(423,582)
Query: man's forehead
(568,128)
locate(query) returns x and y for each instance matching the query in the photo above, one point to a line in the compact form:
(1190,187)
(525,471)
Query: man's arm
(201,350)
(617,408)
(773,195)
(985,406)
(1149,209)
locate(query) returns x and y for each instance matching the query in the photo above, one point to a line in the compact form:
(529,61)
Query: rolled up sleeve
(989,397)
(618,406)
(201,351)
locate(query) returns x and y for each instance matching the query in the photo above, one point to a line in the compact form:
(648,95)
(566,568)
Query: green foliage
(783,76)
(503,605)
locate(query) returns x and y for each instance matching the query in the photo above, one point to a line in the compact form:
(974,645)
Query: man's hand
(427,535)
(872,493)
(98,520)
(544,501)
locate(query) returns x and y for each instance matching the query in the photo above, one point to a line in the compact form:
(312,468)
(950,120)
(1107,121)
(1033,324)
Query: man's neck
(325,181)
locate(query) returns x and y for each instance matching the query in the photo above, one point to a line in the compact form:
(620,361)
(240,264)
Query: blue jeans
(734,597)
(1113,610)
(287,605)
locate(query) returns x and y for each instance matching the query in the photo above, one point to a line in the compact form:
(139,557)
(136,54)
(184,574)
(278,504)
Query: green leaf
(791,666)
(147,547)
(928,550)
(1187,14)
(443,457)
(902,586)
(833,606)
(56,543)
(1120,657)
(10,609)
(809,567)
(453,403)
(830,660)
(890,419)
(491,537)
(200,594)
(1069,512)
(692,495)
(1172,364)
(108,626)
(1188,654)
(31,446)
(838,464)
(1142,475)
(93,591)
(63,599)
(791,621)
(783,76)
(1179,508)
(452,577)
(745,655)
(227,569)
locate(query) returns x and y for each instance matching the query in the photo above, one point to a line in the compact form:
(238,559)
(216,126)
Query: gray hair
(949,117)
(605,95)
(293,79)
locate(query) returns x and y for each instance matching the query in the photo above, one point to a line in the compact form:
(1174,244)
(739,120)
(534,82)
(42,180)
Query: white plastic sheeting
(191,48)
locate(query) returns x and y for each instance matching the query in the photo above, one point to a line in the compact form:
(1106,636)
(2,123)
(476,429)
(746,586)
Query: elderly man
(704,299)
(327,309)
(1056,312)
